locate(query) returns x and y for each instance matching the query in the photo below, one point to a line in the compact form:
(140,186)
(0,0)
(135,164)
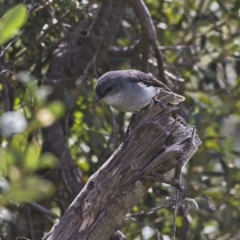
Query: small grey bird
(130,90)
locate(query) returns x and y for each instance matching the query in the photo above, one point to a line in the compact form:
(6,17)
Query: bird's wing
(148,80)
(138,76)
(151,81)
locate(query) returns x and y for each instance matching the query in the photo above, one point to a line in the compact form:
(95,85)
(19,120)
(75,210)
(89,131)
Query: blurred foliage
(201,44)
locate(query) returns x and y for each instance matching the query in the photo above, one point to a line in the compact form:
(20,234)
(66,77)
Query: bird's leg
(158,102)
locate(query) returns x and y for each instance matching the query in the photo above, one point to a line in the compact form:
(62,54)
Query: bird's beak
(96,99)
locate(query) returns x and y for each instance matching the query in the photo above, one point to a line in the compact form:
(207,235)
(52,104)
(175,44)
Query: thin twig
(151,211)
(178,47)
(30,222)
(129,51)
(42,209)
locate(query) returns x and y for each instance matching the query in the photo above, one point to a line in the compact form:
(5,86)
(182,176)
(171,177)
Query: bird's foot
(158,102)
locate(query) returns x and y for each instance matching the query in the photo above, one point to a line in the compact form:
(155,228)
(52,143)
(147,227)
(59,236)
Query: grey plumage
(130,90)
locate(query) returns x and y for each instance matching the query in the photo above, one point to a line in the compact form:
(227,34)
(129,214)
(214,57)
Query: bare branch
(130,51)
(8,90)
(43,210)
(165,204)
(149,32)
(177,48)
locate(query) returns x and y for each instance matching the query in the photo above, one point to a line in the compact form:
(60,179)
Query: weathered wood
(156,143)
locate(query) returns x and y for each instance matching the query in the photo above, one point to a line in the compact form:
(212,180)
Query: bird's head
(107,85)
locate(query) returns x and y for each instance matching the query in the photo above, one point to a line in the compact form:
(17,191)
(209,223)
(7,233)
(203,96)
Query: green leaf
(11,22)
(214,38)
(227,146)
(57,108)
(47,160)
(83,164)
(204,100)
(56,210)
(179,221)
(30,189)
(3,163)
(31,157)
(212,145)
(32,160)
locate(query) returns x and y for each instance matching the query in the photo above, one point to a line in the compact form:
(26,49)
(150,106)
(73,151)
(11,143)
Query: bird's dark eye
(107,90)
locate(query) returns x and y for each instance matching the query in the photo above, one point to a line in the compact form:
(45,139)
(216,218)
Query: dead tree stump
(156,143)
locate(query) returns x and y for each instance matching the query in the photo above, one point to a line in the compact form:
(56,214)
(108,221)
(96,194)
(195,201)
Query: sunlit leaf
(83,164)
(31,157)
(11,22)
(179,221)
(32,188)
(57,108)
(47,160)
(213,144)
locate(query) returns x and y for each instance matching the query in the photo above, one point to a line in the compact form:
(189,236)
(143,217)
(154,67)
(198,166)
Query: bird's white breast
(132,98)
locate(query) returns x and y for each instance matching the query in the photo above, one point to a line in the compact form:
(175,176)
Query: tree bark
(157,143)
